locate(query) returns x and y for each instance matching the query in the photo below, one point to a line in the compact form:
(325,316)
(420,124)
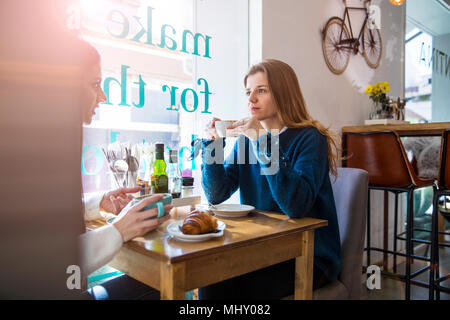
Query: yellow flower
(368,89)
(375,90)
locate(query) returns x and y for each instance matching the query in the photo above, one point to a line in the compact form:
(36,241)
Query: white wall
(291,31)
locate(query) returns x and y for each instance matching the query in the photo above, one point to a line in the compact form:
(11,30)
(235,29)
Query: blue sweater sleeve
(220,179)
(299,177)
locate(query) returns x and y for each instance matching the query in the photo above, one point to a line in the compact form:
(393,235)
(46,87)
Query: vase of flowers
(382,108)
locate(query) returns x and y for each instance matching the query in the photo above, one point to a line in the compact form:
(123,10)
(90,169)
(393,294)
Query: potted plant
(382,104)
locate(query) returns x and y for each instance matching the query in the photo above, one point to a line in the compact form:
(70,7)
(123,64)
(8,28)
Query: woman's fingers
(154,223)
(122,191)
(123,201)
(213,122)
(210,130)
(115,203)
(237,127)
(147,214)
(234,132)
(153,212)
(129,190)
(237,123)
(118,203)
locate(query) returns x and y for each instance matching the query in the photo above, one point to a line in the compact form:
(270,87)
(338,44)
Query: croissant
(199,222)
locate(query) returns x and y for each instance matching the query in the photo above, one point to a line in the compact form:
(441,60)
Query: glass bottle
(175,180)
(159,180)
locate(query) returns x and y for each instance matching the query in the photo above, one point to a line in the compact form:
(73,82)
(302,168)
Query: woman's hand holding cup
(250,127)
(132,222)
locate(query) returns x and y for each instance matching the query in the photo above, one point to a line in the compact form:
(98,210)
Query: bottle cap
(188,181)
(159,147)
(173,156)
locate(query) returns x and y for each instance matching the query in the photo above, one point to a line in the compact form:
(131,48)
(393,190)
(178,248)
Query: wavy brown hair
(291,106)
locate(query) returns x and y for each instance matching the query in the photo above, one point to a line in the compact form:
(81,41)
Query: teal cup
(166,199)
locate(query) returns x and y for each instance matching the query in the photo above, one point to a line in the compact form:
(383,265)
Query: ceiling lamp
(397,2)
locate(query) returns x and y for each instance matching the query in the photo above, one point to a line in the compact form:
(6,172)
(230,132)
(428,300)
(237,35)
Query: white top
(99,246)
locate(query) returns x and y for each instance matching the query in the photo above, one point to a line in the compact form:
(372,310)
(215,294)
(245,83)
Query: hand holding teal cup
(166,199)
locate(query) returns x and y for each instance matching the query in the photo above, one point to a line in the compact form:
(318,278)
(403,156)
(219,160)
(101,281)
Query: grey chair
(350,195)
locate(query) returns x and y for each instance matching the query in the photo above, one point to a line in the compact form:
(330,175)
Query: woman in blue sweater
(281,163)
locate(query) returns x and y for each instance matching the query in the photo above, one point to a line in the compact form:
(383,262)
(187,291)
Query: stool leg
(395,232)
(409,218)
(368,230)
(436,250)
(385,230)
(433,247)
(412,228)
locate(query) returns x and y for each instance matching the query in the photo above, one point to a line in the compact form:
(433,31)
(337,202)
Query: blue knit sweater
(300,186)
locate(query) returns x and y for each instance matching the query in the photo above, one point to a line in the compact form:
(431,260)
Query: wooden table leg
(172,281)
(304,267)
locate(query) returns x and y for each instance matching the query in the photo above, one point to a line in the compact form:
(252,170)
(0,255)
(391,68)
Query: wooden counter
(419,129)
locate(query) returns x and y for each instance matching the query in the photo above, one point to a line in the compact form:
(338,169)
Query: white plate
(174,230)
(229,210)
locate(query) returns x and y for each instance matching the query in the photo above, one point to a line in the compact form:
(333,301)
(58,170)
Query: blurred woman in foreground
(99,246)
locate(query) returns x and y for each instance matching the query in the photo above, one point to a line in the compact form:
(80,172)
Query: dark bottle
(159,181)
(175,179)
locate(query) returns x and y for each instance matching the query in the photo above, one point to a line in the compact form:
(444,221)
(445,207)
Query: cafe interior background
(234,35)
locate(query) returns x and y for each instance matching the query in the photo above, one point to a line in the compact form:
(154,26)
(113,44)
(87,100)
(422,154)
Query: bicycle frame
(339,45)
(352,40)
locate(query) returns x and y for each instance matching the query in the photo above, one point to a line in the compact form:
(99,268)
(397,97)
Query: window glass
(168,67)
(418,75)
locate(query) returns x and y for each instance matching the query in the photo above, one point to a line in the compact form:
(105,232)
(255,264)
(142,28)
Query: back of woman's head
(291,107)
(88,55)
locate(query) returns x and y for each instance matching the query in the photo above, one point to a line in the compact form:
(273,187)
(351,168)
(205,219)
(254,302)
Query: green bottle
(160,181)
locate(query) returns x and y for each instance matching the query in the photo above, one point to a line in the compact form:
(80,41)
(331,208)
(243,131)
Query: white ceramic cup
(221,127)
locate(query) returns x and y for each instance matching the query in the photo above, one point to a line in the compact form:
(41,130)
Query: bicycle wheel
(336,49)
(372,46)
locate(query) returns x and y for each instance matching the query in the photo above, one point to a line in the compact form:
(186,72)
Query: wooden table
(249,243)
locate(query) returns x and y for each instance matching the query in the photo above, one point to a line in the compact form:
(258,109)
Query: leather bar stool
(383,156)
(443,190)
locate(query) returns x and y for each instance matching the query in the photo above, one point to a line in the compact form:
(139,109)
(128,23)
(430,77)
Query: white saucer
(229,210)
(174,230)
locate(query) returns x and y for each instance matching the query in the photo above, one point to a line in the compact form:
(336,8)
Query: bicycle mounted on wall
(338,43)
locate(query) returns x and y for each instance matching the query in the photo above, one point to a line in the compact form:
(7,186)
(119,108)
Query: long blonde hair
(291,106)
